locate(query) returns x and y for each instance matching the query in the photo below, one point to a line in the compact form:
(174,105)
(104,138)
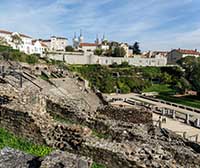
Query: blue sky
(156,24)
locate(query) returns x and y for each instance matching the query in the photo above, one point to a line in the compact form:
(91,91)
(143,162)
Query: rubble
(133,139)
(11,158)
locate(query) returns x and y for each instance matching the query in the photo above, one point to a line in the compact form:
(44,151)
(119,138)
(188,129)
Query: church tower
(104,39)
(81,38)
(75,41)
(97,41)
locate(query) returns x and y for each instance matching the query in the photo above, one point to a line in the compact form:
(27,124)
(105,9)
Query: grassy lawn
(192,101)
(165,93)
(160,88)
(9,140)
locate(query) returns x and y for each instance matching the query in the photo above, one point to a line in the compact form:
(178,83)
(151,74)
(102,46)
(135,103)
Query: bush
(69,49)
(128,78)
(32,59)
(98,51)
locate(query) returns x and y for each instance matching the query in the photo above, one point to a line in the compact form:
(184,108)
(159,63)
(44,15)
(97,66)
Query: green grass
(43,77)
(192,101)
(96,165)
(62,120)
(100,135)
(160,88)
(9,140)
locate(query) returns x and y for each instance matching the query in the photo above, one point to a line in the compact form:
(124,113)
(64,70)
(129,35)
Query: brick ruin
(114,136)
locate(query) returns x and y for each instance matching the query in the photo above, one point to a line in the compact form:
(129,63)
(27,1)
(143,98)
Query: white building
(88,47)
(58,43)
(126,48)
(47,43)
(39,47)
(177,54)
(18,41)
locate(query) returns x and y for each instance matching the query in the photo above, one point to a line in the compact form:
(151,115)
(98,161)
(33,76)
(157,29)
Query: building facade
(39,47)
(18,41)
(58,43)
(177,54)
(82,58)
(88,47)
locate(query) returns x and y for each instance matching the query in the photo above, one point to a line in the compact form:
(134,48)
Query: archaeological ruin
(81,128)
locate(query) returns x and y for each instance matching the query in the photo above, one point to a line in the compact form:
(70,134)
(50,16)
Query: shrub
(98,51)
(69,49)
(32,59)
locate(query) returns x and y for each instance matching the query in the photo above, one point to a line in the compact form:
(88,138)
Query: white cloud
(147,21)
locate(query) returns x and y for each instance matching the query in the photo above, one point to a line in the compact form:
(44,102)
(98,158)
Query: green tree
(191,65)
(136,48)
(119,52)
(98,51)
(69,49)
(166,78)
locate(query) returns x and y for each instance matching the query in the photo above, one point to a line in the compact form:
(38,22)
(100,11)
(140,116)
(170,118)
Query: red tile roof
(193,52)
(42,44)
(8,32)
(88,45)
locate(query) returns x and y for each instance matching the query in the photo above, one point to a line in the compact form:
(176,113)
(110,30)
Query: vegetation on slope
(15,55)
(126,78)
(9,140)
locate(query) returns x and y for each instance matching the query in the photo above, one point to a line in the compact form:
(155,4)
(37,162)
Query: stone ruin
(10,158)
(114,136)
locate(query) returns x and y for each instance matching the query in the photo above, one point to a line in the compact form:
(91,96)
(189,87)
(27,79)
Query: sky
(155,24)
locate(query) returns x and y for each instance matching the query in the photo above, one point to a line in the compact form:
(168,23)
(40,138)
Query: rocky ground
(10,158)
(114,136)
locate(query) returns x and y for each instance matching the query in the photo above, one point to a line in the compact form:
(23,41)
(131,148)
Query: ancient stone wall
(21,124)
(129,115)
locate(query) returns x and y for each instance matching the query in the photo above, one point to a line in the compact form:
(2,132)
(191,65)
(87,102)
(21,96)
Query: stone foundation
(129,115)
(21,124)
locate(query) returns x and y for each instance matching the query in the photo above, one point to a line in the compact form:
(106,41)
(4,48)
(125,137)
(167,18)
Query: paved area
(171,124)
(136,97)
(179,128)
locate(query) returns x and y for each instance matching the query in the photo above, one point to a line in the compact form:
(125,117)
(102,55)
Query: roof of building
(45,40)
(42,44)
(88,45)
(8,32)
(184,51)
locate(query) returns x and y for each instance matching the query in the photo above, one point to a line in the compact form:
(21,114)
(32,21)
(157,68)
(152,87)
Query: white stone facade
(80,58)
(39,47)
(58,43)
(26,41)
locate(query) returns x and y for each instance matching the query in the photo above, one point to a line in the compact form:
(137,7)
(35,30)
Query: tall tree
(119,52)
(191,65)
(136,48)
(69,49)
